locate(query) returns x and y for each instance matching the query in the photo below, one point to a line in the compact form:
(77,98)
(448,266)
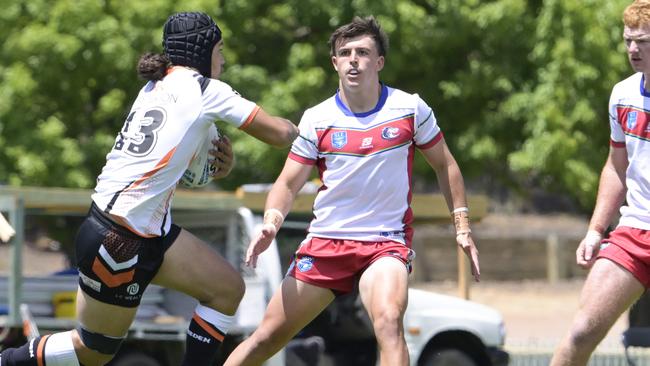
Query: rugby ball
(200,171)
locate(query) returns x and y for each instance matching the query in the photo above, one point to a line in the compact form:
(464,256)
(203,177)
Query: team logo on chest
(389,133)
(339,139)
(631,120)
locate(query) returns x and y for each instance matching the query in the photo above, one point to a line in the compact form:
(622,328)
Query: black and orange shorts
(115,265)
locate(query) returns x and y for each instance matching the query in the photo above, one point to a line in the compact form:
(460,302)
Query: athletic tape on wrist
(274,217)
(593,238)
(460,209)
(461,221)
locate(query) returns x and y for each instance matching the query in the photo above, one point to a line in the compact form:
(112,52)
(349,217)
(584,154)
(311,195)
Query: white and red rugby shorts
(337,264)
(629,248)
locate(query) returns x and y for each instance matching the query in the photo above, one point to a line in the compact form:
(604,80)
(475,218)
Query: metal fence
(608,355)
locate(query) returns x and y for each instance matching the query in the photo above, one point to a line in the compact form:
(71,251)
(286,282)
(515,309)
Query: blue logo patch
(631,120)
(339,139)
(389,133)
(305,264)
(604,245)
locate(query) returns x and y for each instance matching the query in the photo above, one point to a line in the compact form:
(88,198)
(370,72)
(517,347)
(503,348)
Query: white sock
(219,320)
(59,350)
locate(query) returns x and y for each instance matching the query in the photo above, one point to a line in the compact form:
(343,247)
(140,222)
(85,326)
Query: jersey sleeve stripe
(616,143)
(301,159)
(431,143)
(250,118)
(308,140)
(426,119)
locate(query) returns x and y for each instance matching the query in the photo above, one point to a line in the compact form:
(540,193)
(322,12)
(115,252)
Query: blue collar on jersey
(643,91)
(380,103)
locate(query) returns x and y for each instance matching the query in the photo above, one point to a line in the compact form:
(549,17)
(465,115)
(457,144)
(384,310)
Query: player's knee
(239,287)
(98,349)
(584,333)
(387,324)
(226,301)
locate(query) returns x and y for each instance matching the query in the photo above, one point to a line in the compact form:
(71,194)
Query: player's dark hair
(153,66)
(358,27)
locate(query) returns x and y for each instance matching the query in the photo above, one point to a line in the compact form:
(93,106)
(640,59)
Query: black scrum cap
(188,40)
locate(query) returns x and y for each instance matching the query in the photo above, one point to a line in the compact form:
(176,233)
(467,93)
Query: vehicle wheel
(448,357)
(135,359)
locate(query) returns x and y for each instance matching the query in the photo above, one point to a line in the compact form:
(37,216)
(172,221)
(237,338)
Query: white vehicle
(440,330)
(445,330)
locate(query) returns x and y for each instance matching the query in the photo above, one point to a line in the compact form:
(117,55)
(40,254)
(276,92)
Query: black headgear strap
(188,40)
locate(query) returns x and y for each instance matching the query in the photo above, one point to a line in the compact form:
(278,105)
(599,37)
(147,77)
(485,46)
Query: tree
(519,87)
(579,55)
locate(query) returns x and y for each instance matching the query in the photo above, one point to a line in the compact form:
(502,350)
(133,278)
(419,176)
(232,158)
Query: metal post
(463,269)
(553,259)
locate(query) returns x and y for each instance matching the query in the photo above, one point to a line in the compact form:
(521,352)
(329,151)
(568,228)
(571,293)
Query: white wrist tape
(460,209)
(593,238)
(274,217)
(460,218)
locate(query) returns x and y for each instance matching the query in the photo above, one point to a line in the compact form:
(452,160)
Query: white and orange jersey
(629,119)
(365,162)
(167,122)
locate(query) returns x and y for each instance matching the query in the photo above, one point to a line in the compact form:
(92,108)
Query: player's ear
(380,63)
(334,63)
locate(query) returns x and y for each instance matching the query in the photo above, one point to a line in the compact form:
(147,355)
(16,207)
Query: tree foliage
(520,88)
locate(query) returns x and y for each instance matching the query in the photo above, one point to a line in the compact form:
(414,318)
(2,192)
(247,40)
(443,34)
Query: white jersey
(365,162)
(629,119)
(166,123)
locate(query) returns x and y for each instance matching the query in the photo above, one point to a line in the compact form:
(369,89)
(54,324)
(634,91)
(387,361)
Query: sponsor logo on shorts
(133,289)
(305,264)
(95,285)
(604,246)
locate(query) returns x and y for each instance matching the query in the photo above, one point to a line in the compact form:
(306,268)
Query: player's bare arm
(452,186)
(611,194)
(278,204)
(273,130)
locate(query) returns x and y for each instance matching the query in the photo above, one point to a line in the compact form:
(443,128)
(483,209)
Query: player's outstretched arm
(276,131)
(453,188)
(278,204)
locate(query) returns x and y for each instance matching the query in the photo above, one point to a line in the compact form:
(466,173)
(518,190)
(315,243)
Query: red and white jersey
(365,162)
(167,122)
(629,119)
